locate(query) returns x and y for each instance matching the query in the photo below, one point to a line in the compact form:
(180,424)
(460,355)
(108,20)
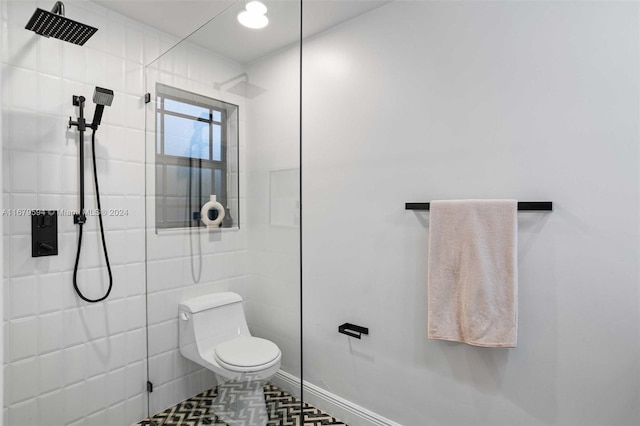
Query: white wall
(418,101)
(273,231)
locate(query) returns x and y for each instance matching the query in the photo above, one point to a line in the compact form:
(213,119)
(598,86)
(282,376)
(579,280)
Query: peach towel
(473,272)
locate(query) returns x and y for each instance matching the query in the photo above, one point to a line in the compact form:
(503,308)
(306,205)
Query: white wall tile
(24,297)
(162,368)
(163,337)
(50,408)
(116,414)
(50,98)
(136,312)
(136,408)
(135,246)
(119,289)
(134,45)
(75,333)
(69,184)
(6,272)
(134,79)
(96,70)
(115,73)
(21,43)
(135,283)
(50,332)
(151,46)
(94,321)
(136,346)
(49,56)
(6,229)
(97,17)
(115,386)
(96,390)
(50,132)
(49,292)
(135,111)
(23,130)
(117,351)
(117,315)
(49,173)
(117,246)
(97,354)
(136,379)
(24,171)
(134,178)
(21,223)
(23,376)
(75,401)
(74,364)
(74,63)
(98,419)
(116,39)
(135,212)
(50,373)
(24,413)
(134,143)
(19,12)
(23,341)
(6,171)
(111,143)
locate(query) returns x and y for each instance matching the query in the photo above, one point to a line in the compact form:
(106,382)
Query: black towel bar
(522,206)
(351,330)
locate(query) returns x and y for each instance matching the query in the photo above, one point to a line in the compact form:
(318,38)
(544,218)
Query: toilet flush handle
(184,316)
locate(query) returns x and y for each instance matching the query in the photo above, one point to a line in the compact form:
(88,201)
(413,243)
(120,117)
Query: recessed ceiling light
(254,15)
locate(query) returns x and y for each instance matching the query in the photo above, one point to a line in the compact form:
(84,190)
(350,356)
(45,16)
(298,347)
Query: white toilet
(214,334)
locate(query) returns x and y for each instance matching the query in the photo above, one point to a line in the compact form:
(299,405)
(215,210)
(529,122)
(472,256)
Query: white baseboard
(350,413)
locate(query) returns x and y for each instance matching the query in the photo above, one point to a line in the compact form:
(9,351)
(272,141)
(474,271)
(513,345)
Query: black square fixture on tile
(44,233)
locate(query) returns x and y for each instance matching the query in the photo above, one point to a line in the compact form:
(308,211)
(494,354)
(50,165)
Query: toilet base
(241,403)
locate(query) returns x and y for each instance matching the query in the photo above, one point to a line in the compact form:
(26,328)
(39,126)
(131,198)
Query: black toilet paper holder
(353,330)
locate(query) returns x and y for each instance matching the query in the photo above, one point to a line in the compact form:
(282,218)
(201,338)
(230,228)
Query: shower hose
(104,242)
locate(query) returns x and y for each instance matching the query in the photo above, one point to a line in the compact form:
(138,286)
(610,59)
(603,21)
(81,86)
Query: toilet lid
(247,351)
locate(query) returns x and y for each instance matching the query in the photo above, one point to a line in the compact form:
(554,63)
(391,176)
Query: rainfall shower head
(54,24)
(101,97)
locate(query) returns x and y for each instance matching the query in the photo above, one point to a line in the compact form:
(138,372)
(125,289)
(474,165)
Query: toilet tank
(205,321)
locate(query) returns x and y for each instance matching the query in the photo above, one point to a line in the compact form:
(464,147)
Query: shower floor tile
(283,410)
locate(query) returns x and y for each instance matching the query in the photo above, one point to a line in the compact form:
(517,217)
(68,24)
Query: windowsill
(186,231)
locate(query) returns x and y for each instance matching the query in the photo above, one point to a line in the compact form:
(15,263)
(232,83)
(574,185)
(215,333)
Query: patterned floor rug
(282,408)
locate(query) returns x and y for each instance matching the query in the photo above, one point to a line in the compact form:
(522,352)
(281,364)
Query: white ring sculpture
(204,213)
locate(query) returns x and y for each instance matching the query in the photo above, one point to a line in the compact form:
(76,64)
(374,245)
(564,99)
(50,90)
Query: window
(196,156)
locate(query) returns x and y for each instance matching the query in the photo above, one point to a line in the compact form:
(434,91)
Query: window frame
(164,92)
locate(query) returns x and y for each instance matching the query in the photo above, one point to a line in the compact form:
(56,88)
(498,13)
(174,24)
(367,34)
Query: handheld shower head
(55,24)
(101,97)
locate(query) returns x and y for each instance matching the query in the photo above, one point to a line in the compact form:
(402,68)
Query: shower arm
(58,8)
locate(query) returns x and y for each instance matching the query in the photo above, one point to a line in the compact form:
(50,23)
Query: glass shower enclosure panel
(223,216)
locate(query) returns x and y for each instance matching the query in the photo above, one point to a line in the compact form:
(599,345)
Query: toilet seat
(247,354)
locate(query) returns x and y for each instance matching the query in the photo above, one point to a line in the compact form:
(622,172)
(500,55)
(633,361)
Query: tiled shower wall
(59,350)
(68,362)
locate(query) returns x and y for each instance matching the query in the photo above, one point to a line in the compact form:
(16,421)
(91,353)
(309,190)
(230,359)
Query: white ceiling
(222,32)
